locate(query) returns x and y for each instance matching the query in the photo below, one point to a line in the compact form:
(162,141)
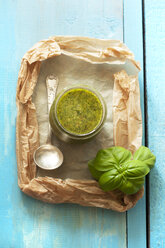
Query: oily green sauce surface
(79,111)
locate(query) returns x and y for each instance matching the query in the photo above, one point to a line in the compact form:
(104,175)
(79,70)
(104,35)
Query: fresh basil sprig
(115,168)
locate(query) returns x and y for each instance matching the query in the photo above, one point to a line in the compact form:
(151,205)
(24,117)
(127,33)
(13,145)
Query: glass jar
(77,114)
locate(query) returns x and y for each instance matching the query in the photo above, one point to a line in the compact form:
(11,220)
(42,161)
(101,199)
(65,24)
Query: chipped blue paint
(27,222)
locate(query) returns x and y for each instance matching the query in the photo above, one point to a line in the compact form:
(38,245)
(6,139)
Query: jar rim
(98,95)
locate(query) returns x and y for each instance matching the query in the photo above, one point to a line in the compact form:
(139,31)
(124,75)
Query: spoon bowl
(48,157)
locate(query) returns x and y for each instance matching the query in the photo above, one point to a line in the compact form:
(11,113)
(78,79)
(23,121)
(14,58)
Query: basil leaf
(144,154)
(131,186)
(136,169)
(96,174)
(121,154)
(111,157)
(133,176)
(110,180)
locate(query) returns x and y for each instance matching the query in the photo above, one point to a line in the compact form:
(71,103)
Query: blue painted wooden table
(26,222)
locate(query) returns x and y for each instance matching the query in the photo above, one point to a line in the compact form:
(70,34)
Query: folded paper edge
(127,117)
(77,191)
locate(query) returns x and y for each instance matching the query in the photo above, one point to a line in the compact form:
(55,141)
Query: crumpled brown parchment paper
(127,121)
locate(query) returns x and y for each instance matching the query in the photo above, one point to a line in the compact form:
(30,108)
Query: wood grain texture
(155,67)
(27,222)
(133,37)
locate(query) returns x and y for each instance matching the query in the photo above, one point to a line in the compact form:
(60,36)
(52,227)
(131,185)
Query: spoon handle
(52,85)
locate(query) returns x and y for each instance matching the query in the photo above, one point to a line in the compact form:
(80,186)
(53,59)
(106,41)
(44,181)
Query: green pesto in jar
(79,111)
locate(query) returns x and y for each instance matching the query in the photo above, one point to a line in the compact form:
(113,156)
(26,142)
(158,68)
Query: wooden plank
(133,37)
(155,66)
(27,222)
(8,175)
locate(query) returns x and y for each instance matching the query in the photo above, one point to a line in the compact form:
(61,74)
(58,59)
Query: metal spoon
(47,156)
